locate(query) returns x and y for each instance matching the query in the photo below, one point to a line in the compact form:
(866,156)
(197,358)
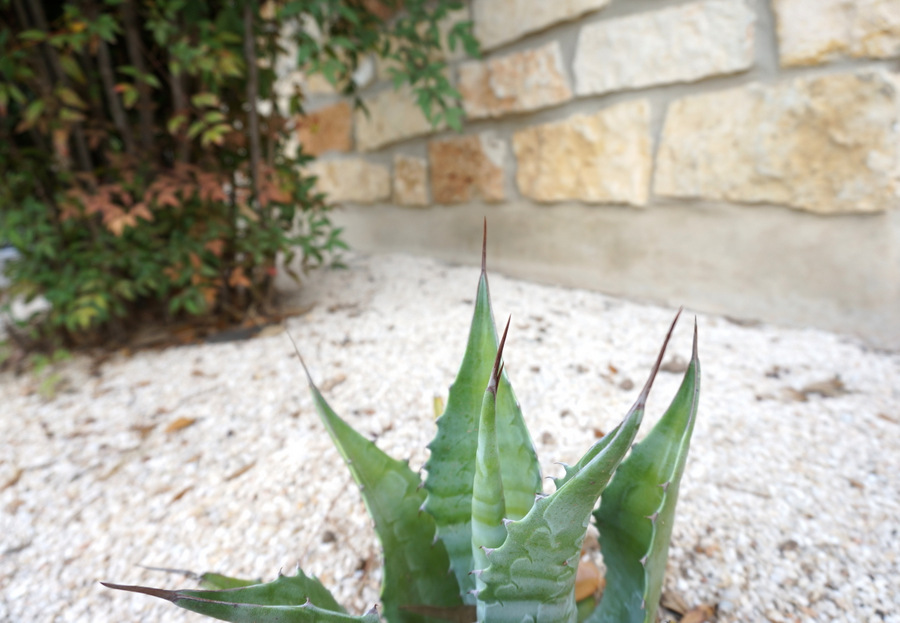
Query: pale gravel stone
(393,115)
(787,512)
(600,158)
(826,144)
(811,32)
(351,179)
(501,21)
(678,44)
(518,82)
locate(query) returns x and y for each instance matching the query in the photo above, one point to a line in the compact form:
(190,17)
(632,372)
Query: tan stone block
(826,144)
(351,180)
(327,129)
(516,82)
(393,116)
(677,44)
(501,21)
(811,32)
(600,158)
(466,168)
(410,181)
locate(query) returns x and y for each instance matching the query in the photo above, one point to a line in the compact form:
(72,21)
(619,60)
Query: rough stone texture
(827,144)
(393,116)
(327,129)
(678,44)
(410,181)
(501,21)
(352,180)
(467,168)
(599,158)
(811,32)
(514,83)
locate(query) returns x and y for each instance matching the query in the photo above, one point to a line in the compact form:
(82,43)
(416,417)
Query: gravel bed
(212,458)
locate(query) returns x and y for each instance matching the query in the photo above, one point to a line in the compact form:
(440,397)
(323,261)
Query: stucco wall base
(772,264)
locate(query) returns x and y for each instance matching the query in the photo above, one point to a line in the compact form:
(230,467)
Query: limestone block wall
(735,156)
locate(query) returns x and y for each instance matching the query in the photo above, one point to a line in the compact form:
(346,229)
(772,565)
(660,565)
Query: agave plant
(481,513)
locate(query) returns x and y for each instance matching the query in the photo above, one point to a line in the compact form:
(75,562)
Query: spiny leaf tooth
(488,550)
(476,572)
(644,560)
(422,507)
(540,496)
(652,517)
(506,521)
(664,486)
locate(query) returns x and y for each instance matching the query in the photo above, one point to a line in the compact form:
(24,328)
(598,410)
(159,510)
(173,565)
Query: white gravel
(789,507)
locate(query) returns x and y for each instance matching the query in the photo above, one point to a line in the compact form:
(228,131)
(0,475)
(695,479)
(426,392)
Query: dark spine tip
(146,590)
(642,398)
(484,248)
(299,356)
(498,367)
(694,353)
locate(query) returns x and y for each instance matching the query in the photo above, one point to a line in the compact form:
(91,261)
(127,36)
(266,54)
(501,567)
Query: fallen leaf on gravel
(674,602)
(143,430)
(829,388)
(240,472)
(331,383)
(180,494)
(179,424)
(12,481)
(699,614)
(588,580)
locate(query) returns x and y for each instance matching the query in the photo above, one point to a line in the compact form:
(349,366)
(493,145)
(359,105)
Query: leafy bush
(477,538)
(142,160)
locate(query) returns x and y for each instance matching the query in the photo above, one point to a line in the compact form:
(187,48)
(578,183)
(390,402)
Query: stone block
(811,32)
(393,116)
(466,168)
(517,82)
(827,144)
(351,180)
(501,21)
(604,157)
(677,44)
(326,129)
(410,181)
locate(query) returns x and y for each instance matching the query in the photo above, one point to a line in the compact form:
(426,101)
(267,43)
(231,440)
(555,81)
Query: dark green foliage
(142,161)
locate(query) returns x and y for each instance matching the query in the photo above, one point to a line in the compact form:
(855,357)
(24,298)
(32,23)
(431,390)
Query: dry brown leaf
(13,480)
(240,472)
(588,580)
(180,424)
(333,382)
(700,614)
(674,602)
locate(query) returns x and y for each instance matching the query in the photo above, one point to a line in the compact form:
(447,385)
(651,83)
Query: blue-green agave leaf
(637,510)
(289,599)
(531,577)
(488,504)
(451,466)
(415,564)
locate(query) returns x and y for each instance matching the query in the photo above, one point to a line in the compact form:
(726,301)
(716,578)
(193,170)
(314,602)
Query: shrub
(142,160)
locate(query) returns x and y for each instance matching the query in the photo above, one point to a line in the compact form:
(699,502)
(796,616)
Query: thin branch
(81,147)
(112,99)
(145,109)
(252,92)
